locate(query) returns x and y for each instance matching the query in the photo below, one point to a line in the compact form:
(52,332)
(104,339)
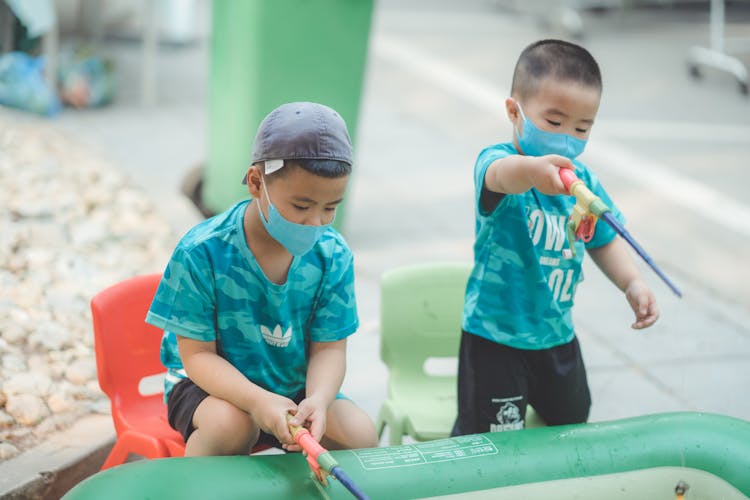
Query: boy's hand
(543,173)
(311,413)
(643,303)
(271,416)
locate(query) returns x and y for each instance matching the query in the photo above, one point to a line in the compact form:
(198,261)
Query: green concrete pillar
(268,52)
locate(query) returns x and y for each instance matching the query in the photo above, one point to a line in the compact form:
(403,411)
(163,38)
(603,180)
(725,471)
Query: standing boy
(518,344)
(256,303)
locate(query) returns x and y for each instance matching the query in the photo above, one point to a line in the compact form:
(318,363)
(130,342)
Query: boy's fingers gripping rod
(320,458)
(587,210)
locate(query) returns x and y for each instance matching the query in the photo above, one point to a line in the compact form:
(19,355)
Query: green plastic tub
(637,458)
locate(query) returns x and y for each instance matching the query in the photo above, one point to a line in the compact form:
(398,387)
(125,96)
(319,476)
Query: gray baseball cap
(301,131)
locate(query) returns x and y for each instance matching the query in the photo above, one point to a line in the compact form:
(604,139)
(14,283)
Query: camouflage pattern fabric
(214,290)
(521,289)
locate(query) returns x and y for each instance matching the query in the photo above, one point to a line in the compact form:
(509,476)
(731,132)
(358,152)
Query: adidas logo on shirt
(276,338)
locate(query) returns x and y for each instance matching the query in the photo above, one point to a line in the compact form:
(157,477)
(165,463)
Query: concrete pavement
(436,78)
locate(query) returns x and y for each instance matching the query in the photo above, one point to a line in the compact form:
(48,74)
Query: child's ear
(254,181)
(511,109)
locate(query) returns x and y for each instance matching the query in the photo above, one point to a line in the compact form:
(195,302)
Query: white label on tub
(456,448)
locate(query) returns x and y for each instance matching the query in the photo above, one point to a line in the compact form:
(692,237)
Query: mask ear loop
(268,199)
(523,119)
(265,189)
(520,110)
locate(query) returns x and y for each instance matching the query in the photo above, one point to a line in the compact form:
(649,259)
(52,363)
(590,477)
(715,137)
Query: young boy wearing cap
(256,303)
(518,344)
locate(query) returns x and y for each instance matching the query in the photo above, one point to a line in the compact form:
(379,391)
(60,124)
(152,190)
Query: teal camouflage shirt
(214,290)
(521,289)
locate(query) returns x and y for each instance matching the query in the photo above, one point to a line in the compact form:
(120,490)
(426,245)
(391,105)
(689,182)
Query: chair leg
(117,455)
(392,419)
(396,433)
(137,443)
(533,419)
(380,425)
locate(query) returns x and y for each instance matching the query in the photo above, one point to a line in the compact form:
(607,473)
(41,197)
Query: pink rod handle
(568,177)
(308,443)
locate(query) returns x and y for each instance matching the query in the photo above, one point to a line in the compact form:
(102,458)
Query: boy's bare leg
(221,429)
(347,427)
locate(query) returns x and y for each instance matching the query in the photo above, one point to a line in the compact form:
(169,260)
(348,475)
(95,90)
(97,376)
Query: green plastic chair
(420,320)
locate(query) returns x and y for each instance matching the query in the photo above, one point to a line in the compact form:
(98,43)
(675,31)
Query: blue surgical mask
(537,142)
(298,239)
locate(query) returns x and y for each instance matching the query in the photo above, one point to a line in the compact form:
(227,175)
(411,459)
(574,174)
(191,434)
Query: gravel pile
(70,225)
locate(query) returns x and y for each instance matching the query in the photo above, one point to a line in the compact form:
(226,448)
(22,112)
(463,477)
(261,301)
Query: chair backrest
(127,348)
(420,315)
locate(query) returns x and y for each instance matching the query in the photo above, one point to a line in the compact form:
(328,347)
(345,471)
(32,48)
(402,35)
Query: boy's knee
(367,437)
(231,430)
(371,442)
(349,427)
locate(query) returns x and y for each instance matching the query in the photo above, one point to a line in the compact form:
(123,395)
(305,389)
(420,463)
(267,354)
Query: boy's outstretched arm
(518,173)
(616,263)
(325,374)
(220,379)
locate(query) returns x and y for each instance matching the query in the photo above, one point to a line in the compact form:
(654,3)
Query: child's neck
(272,258)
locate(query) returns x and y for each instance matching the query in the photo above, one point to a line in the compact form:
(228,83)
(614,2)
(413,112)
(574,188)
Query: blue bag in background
(23,86)
(85,79)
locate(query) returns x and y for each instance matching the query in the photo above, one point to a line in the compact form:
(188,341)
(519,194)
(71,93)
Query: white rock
(35,384)
(57,369)
(63,356)
(39,257)
(20,315)
(13,333)
(84,392)
(17,264)
(27,409)
(5,420)
(28,294)
(29,207)
(13,363)
(46,234)
(8,281)
(65,301)
(94,390)
(8,451)
(88,232)
(81,371)
(73,269)
(38,363)
(50,335)
(61,403)
(103,407)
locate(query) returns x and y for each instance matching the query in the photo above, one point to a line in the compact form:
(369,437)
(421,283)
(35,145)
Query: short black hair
(559,59)
(330,169)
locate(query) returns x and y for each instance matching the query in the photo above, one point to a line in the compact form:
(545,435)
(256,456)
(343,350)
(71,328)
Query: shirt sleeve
(484,160)
(185,301)
(335,314)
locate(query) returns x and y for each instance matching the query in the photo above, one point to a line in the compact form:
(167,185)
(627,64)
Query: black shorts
(496,382)
(185,398)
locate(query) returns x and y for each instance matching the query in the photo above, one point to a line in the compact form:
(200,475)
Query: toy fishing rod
(321,462)
(587,210)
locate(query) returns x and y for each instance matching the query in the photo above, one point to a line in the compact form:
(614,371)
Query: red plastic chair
(127,351)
